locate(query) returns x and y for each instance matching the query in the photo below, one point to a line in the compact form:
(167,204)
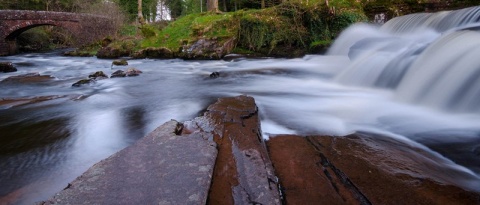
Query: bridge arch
(86,28)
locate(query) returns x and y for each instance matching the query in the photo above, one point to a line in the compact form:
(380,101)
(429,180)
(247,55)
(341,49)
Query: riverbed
(46,144)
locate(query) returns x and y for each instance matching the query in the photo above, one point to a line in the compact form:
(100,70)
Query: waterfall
(426,58)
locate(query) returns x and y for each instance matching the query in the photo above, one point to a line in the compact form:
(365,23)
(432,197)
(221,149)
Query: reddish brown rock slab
(243,171)
(389,171)
(363,169)
(161,168)
(302,174)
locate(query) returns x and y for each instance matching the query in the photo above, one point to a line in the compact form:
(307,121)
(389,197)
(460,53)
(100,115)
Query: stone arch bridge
(84,27)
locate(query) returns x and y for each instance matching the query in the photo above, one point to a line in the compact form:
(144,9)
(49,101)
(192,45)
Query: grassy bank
(286,30)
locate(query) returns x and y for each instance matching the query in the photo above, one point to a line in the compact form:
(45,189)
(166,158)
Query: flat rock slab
(161,168)
(364,169)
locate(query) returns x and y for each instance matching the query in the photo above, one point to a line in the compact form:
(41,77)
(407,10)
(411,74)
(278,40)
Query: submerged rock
(27,78)
(7,67)
(84,82)
(133,72)
(118,74)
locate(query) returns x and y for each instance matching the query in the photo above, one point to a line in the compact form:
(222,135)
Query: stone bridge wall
(85,27)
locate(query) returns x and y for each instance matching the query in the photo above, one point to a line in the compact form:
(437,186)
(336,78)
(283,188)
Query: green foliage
(149,8)
(147,31)
(293,25)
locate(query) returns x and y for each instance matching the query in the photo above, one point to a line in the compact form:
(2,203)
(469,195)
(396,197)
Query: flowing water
(414,80)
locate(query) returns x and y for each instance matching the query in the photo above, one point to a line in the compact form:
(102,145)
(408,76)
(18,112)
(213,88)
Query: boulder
(7,67)
(364,169)
(215,75)
(159,53)
(99,75)
(133,72)
(121,62)
(84,82)
(118,74)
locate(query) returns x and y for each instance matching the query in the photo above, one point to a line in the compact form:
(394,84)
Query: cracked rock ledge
(221,158)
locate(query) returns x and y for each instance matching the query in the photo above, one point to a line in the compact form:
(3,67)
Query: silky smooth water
(420,87)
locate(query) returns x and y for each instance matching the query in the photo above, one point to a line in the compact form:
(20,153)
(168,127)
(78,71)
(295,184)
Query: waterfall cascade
(426,58)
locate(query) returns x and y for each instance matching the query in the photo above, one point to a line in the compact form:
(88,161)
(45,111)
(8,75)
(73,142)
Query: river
(421,88)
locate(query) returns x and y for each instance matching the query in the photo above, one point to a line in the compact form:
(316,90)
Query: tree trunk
(212,5)
(141,20)
(263,4)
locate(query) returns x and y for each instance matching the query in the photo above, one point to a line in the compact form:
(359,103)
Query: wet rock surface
(161,168)
(133,72)
(363,169)
(7,67)
(27,78)
(243,171)
(118,74)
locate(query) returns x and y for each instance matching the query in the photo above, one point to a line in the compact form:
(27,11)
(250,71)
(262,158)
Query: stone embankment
(221,158)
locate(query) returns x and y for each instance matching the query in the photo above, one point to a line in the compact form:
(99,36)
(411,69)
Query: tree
(212,5)
(141,20)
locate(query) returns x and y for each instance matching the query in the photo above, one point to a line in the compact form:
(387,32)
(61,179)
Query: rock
(7,67)
(208,48)
(99,75)
(15,102)
(27,78)
(121,62)
(243,171)
(109,53)
(84,82)
(160,168)
(78,53)
(364,169)
(118,74)
(133,72)
(215,75)
(160,53)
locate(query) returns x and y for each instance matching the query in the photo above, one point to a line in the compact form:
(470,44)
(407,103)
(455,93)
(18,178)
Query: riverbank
(221,158)
(285,30)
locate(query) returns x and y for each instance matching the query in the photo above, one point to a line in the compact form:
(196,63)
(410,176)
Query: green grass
(189,28)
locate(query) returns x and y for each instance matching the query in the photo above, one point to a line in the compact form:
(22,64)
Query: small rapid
(425,58)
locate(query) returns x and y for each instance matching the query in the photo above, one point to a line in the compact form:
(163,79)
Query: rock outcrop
(221,158)
(208,49)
